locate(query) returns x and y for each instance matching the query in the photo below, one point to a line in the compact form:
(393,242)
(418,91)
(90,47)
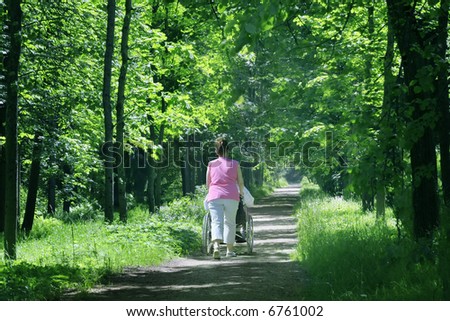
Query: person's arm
(240,181)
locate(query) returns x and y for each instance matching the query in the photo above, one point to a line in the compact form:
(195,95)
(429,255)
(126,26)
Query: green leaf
(268,24)
(26,135)
(250,28)
(221,8)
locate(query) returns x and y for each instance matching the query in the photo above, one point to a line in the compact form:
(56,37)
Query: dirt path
(266,274)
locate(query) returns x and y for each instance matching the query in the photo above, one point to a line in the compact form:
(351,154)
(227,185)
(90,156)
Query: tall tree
(386,125)
(443,98)
(2,118)
(444,139)
(413,45)
(120,112)
(107,114)
(33,184)
(11,62)
(380,180)
(61,90)
(2,168)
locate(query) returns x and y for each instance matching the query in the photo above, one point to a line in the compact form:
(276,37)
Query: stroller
(244,229)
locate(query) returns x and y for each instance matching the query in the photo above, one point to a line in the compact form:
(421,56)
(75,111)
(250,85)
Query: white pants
(223,220)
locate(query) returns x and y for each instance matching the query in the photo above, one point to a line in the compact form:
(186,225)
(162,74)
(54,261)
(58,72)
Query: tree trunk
(187,176)
(381,201)
(151,184)
(11,63)
(51,190)
(425,195)
(158,172)
(2,119)
(379,170)
(151,171)
(389,82)
(443,105)
(33,185)
(180,164)
(158,191)
(68,191)
(423,154)
(140,175)
(2,188)
(107,110)
(190,170)
(184,177)
(157,169)
(51,196)
(129,184)
(204,165)
(443,100)
(2,167)
(154,173)
(259,175)
(200,169)
(120,112)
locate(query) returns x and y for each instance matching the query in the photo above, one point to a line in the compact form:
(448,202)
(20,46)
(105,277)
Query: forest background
(112,107)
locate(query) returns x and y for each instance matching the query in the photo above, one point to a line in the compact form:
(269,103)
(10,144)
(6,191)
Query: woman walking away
(223,177)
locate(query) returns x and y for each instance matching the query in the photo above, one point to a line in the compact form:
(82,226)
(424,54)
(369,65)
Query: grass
(350,255)
(60,256)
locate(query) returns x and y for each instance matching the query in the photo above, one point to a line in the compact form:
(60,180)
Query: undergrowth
(350,255)
(261,191)
(61,255)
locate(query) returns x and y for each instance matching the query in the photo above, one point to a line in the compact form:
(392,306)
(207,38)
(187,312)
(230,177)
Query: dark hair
(221,146)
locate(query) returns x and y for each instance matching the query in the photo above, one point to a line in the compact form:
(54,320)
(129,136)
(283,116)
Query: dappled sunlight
(266,274)
(216,281)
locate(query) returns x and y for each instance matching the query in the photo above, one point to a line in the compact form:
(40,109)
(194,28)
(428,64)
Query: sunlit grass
(58,256)
(261,191)
(94,243)
(351,255)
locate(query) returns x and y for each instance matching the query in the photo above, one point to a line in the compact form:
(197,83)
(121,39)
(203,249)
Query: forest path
(266,274)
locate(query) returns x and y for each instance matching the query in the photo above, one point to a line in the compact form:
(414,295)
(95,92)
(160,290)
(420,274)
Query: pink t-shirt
(223,175)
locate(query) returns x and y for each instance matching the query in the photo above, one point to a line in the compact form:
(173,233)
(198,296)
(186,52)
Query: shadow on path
(266,274)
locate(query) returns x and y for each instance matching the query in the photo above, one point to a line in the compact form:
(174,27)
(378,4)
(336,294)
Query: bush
(43,227)
(187,209)
(85,211)
(26,281)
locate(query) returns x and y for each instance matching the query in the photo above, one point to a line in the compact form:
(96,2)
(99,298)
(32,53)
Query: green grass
(350,255)
(59,256)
